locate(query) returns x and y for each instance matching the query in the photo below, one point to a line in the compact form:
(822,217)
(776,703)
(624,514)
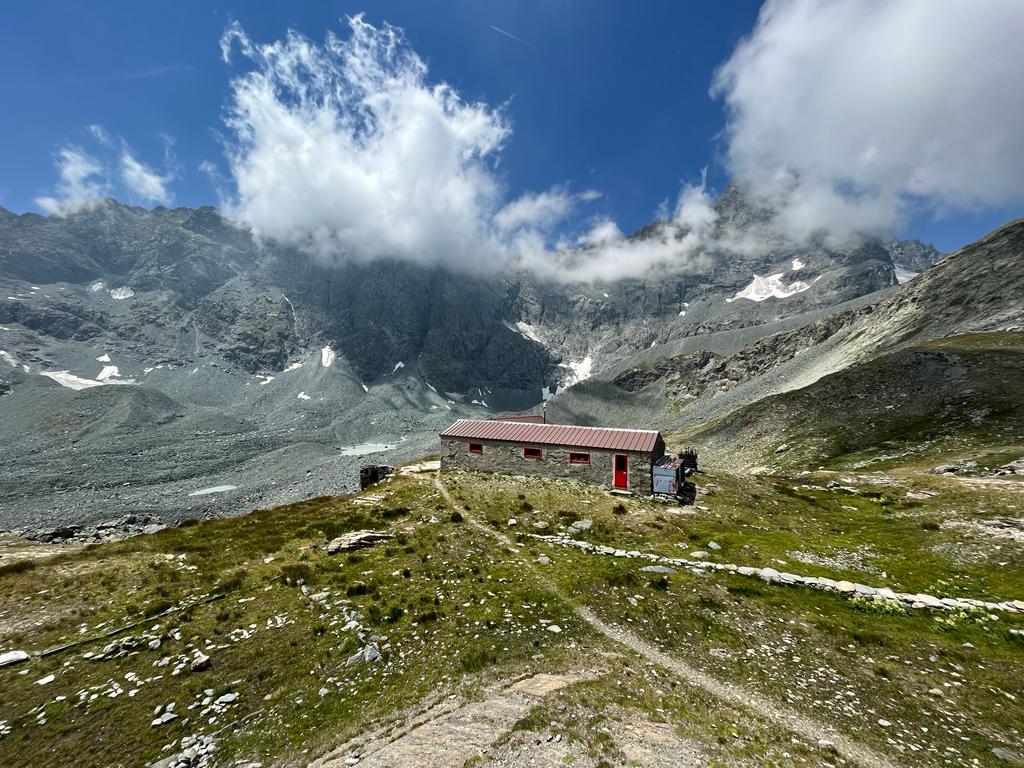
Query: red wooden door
(621,471)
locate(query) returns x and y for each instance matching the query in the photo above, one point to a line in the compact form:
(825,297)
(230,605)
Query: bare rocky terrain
(160,366)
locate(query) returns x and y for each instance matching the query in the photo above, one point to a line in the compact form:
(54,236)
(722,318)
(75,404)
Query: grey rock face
(912,254)
(190,307)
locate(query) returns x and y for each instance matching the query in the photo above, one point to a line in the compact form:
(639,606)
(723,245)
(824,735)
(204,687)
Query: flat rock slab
(643,743)
(448,735)
(356,540)
(12,657)
(656,745)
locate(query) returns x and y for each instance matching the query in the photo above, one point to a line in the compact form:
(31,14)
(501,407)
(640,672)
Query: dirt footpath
(452,732)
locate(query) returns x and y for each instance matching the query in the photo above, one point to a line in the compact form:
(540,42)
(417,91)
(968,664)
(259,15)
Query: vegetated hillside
(465,639)
(958,397)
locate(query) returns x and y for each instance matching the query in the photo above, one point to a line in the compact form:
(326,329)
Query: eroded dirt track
(772,711)
(450,733)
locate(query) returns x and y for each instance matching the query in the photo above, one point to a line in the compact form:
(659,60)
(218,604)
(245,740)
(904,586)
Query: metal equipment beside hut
(372,474)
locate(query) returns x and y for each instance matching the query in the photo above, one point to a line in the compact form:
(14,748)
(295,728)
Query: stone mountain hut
(617,458)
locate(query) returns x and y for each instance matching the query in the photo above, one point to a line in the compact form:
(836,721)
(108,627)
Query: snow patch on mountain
(124,292)
(772,286)
(366,448)
(327,357)
(903,274)
(303,396)
(213,489)
(525,330)
(578,371)
(292,367)
(104,358)
(398,366)
(798,265)
(69,380)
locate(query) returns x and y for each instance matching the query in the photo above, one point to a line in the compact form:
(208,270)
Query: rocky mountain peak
(913,254)
(736,208)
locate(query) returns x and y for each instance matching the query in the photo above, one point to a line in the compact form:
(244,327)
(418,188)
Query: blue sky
(609,96)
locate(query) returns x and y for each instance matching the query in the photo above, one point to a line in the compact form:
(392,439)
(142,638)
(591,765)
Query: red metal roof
(607,438)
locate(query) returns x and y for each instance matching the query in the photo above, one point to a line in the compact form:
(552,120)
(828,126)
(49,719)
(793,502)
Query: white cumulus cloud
(346,150)
(108,167)
(681,241)
(544,210)
(851,115)
(142,181)
(81,182)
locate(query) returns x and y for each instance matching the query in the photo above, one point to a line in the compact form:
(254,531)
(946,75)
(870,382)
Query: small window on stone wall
(579,457)
(532,453)
(476,447)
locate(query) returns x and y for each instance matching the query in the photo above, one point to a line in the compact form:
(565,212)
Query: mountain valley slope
(685,386)
(167,365)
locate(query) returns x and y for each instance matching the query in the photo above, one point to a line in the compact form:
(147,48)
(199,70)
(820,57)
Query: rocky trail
(450,732)
(770,710)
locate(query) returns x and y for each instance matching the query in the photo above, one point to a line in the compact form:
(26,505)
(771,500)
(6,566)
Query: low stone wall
(507,459)
(772,576)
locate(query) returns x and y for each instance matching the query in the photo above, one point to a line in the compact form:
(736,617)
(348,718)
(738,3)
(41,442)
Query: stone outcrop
(356,540)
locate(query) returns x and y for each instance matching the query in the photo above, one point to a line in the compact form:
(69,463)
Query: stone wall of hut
(507,458)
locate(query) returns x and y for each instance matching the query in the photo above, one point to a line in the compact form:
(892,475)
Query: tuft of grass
(18,566)
(296,573)
(880,607)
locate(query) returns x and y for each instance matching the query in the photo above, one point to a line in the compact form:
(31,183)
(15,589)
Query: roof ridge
(551,424)
(609,438)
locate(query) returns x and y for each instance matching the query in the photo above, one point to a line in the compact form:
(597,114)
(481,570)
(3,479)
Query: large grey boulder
(356,540)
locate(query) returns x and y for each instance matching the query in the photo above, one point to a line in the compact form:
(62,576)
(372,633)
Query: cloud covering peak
(849,116)
(346,150)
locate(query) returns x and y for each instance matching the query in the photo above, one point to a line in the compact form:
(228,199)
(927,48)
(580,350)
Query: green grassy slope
(465,598)
(959,397)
